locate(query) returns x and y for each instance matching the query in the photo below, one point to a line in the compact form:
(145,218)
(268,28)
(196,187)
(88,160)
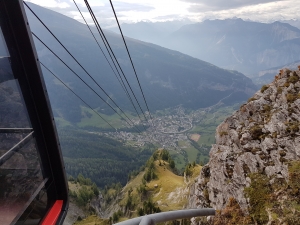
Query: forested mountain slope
(168,78)
(104,160)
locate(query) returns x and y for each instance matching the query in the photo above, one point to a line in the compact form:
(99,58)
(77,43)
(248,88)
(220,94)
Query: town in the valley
(166,130)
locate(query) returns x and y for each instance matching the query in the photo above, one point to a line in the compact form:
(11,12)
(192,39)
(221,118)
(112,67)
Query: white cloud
(159,10)
(208,5)
(92,3)
(265,12)
(51,3)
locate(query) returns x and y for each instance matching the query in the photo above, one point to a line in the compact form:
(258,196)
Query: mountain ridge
(246,46)
(267,76)
(172,76)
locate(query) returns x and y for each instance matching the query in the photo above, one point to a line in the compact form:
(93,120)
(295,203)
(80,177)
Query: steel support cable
(112,55)
(106,43)
(118,78)
(77,62)
(123,86)
(83,80)
(76,95)
(130,57)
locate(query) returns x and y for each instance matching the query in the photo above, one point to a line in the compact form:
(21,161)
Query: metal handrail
(167,216)
(16,148)
(15,130)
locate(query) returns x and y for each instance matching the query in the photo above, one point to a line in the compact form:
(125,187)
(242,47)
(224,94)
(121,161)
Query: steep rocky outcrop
(260,140)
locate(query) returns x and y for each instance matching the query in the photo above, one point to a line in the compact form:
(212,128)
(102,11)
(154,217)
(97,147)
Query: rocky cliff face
(261,139)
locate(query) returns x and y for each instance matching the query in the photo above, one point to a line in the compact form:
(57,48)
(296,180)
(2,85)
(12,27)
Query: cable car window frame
(26,69)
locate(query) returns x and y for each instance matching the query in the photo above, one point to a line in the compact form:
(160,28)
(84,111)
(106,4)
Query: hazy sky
(196,10)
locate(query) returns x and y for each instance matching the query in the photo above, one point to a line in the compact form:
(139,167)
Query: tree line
(104,160)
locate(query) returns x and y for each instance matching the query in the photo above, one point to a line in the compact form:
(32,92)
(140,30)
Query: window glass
(20,177)
(36,210)
(21,174)
(12,108)
(3,48)
(9,140)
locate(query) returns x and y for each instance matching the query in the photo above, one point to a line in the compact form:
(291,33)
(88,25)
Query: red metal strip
(53,214)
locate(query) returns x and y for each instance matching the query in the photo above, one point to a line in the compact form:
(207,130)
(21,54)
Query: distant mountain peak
(257,45)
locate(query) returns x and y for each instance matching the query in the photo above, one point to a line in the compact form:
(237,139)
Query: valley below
(173,129)
(186,134)
(252,175)
(205,143)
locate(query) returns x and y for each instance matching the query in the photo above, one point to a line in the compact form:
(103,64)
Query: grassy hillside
(165,191)
(169,190)
(92,220)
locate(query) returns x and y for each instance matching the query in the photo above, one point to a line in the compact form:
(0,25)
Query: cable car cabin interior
(33,186)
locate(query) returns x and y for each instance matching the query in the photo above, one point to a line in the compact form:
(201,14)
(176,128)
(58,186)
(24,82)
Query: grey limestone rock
(261,137)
